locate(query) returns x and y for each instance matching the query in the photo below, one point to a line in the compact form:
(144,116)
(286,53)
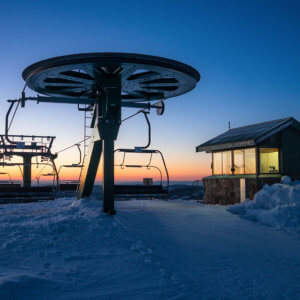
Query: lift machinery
(106,82)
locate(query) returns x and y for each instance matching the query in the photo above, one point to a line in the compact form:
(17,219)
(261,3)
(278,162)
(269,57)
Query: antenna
(229,125)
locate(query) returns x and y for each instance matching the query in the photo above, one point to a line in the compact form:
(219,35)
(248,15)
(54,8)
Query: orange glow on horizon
(188,169)
(133,176)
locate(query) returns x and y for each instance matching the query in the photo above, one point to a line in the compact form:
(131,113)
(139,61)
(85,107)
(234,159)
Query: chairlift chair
(143,190)
(67,187)
(15,192)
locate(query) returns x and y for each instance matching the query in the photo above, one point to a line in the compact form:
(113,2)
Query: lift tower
(107,82)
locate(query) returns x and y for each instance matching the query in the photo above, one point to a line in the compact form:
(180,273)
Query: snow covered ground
(149,250)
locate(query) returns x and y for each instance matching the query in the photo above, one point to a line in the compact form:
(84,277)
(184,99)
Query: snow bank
(277,206)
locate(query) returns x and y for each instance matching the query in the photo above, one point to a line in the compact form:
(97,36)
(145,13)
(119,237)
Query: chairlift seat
(16,188)
(9,184)
(139,190)
(14,193)
(68,186)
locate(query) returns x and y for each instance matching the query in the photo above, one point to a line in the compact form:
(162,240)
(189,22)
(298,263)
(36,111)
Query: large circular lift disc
(143,77)
(108,81)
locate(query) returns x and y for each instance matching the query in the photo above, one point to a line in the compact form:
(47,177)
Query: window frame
(233,168)
(256,157)
(259,160)
(213,162)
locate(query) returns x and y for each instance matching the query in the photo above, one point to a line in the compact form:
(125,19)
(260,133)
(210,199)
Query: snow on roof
(247,135)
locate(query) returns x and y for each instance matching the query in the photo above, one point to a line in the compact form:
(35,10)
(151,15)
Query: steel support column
(27,171)
(108,175)
(109,120)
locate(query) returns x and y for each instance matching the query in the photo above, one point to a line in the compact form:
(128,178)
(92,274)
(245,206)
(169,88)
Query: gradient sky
(246,52)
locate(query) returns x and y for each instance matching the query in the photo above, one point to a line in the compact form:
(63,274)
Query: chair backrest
(148,181)
(139,190)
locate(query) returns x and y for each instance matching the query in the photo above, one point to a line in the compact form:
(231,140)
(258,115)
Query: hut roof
(247,136)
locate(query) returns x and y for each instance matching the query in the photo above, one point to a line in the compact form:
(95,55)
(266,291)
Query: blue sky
(247,54)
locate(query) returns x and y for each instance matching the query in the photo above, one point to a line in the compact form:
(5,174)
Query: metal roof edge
(225,146)
(278,128)
(261,123)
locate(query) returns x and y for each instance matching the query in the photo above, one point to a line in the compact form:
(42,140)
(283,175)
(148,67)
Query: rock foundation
(227,190)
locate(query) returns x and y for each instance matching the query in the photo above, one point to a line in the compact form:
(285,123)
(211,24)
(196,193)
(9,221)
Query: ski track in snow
(149,250)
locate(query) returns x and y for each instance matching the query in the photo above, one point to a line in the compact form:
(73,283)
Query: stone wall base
(227,190)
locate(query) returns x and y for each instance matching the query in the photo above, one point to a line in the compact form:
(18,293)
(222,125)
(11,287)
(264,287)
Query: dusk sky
(246,52)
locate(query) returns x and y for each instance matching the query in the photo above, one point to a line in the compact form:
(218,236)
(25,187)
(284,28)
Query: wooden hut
(246,158)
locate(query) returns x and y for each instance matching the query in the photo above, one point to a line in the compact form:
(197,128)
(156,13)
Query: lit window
(222,163)
(244,162)
(250,161)
(239,166)
(217,163)
(269,160)
(226,161)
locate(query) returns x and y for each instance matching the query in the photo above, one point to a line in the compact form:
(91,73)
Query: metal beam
(62,100)
(88,101)
(91,163)
(27,171)
(139,105)
(136,150)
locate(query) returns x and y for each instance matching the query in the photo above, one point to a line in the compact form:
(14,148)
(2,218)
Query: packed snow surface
(277,206)
(149,250)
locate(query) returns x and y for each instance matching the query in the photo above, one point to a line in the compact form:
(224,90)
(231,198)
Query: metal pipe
(133,166)
(87,108)
(6,122)
(62,100)
(20,170)
(73,165)
(150,159)
(80,154)
(50,144)
(149,130)
(131,116)
(6,173)
(55,170)
(30,136)
(145,113)
(37,180)
(13,116)
(168,180)
(123,161)
(159,172)
(83,101)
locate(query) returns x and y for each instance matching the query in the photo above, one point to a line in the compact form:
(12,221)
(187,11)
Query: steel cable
(73,145)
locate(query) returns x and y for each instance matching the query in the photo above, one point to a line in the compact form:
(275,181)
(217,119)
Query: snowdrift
(277,206)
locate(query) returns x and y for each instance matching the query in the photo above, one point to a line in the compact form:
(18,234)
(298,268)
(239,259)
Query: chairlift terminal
(103,83)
